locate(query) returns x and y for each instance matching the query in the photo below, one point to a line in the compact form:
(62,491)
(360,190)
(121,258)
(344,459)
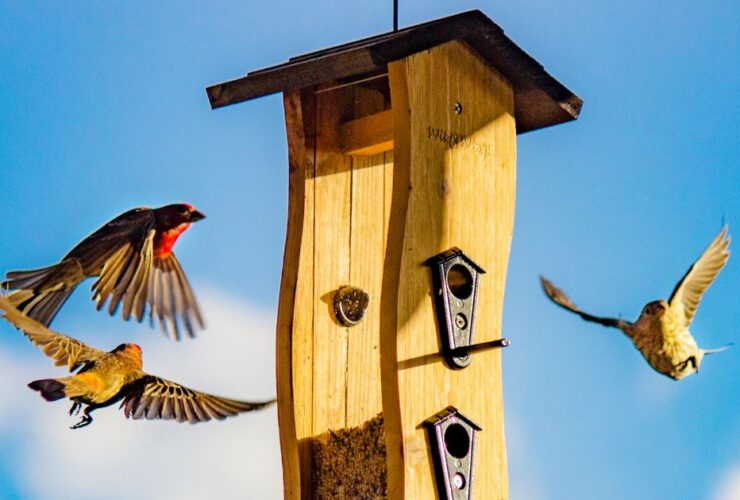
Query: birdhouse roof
(539,99)
(451,254)
(446,414)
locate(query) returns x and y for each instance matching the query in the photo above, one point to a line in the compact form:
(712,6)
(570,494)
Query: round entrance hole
(460,281)
(457,441)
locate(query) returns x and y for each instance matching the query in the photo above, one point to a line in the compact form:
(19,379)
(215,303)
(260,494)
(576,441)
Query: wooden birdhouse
(402,147)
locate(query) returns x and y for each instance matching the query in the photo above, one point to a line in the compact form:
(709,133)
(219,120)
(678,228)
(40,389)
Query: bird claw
(684,364)
(84,421)
(75,410)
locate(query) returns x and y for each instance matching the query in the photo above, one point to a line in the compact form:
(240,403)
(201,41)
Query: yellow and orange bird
(105,378)
(661,333)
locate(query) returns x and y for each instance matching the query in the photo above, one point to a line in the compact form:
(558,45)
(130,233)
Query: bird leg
(86,418)
(683,364)
(693,363)
(76,405)
(84,421)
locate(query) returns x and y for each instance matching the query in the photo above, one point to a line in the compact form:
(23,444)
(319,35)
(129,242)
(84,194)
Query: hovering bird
(133,260)
(661,333)
(105,378)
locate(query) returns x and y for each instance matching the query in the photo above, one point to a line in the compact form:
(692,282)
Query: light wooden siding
(456,196)
(341,216)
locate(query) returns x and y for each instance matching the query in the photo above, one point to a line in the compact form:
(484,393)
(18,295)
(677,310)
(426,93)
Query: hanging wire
(395,15)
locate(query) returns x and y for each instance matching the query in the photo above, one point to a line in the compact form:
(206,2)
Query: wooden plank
(367,253)
(332,197)
(328,374)
(389,301)
(541,100)
(460,190)
(387,194)
(354,58)
(368,135)
(291,351)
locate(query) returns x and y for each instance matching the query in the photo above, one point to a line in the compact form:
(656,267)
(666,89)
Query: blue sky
(103,108)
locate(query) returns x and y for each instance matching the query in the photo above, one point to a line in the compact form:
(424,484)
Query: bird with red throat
(136,269)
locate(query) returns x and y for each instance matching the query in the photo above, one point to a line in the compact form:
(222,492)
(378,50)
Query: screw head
(458,481)
(461,322)
(457,108)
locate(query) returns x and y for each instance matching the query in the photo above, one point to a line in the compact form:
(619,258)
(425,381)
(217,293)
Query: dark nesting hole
(460,281)
(457,441)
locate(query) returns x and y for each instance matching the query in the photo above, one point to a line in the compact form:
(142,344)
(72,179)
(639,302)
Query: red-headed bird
(136,268)
(105,378)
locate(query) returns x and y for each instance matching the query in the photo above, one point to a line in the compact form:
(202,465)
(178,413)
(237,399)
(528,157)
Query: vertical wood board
(336,236)
(460,186)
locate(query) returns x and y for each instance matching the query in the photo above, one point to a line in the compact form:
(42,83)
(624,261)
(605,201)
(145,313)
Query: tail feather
(27,279)
(41,306)
(50,389)
(720,349)
(40,293)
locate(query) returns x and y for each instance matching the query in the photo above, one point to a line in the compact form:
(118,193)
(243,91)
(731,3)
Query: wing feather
(558,297)
(148,395)
(686,296)
(135,279)
(65,351)
(172,300)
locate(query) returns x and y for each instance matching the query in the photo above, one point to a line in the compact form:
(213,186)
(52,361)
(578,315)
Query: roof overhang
(539,99)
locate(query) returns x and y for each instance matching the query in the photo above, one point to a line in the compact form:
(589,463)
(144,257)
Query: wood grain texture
(336,236)
(457,172)
(299,109)
(367,250)
(331,263)
(541,100)
(368,135)
(371,222)
(397,208)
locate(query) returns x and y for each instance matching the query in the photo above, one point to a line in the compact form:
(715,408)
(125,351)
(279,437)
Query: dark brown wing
(62,349)
(129,228)
(40,293)
(171,299)
(558,296)
(155,398)
(134,279)
(125,278)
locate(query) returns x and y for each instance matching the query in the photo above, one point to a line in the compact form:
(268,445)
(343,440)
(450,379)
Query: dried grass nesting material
(350,463)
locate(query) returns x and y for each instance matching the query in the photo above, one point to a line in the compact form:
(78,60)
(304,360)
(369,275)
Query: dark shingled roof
(539,99)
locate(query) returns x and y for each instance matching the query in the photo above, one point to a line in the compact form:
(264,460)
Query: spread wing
(558,296)
(688,292)
(128,229)
(134,278)
(170,298)
(62,349)
(40,293)
(155,398)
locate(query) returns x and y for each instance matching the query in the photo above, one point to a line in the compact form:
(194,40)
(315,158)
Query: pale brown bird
(136,268)
(105,378)
(661,333)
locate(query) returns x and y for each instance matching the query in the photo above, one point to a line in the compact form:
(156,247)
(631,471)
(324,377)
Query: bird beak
(196,216)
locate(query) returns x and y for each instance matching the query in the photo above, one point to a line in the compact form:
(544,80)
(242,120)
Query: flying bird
(661,333)
(133,260)
(102,378)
